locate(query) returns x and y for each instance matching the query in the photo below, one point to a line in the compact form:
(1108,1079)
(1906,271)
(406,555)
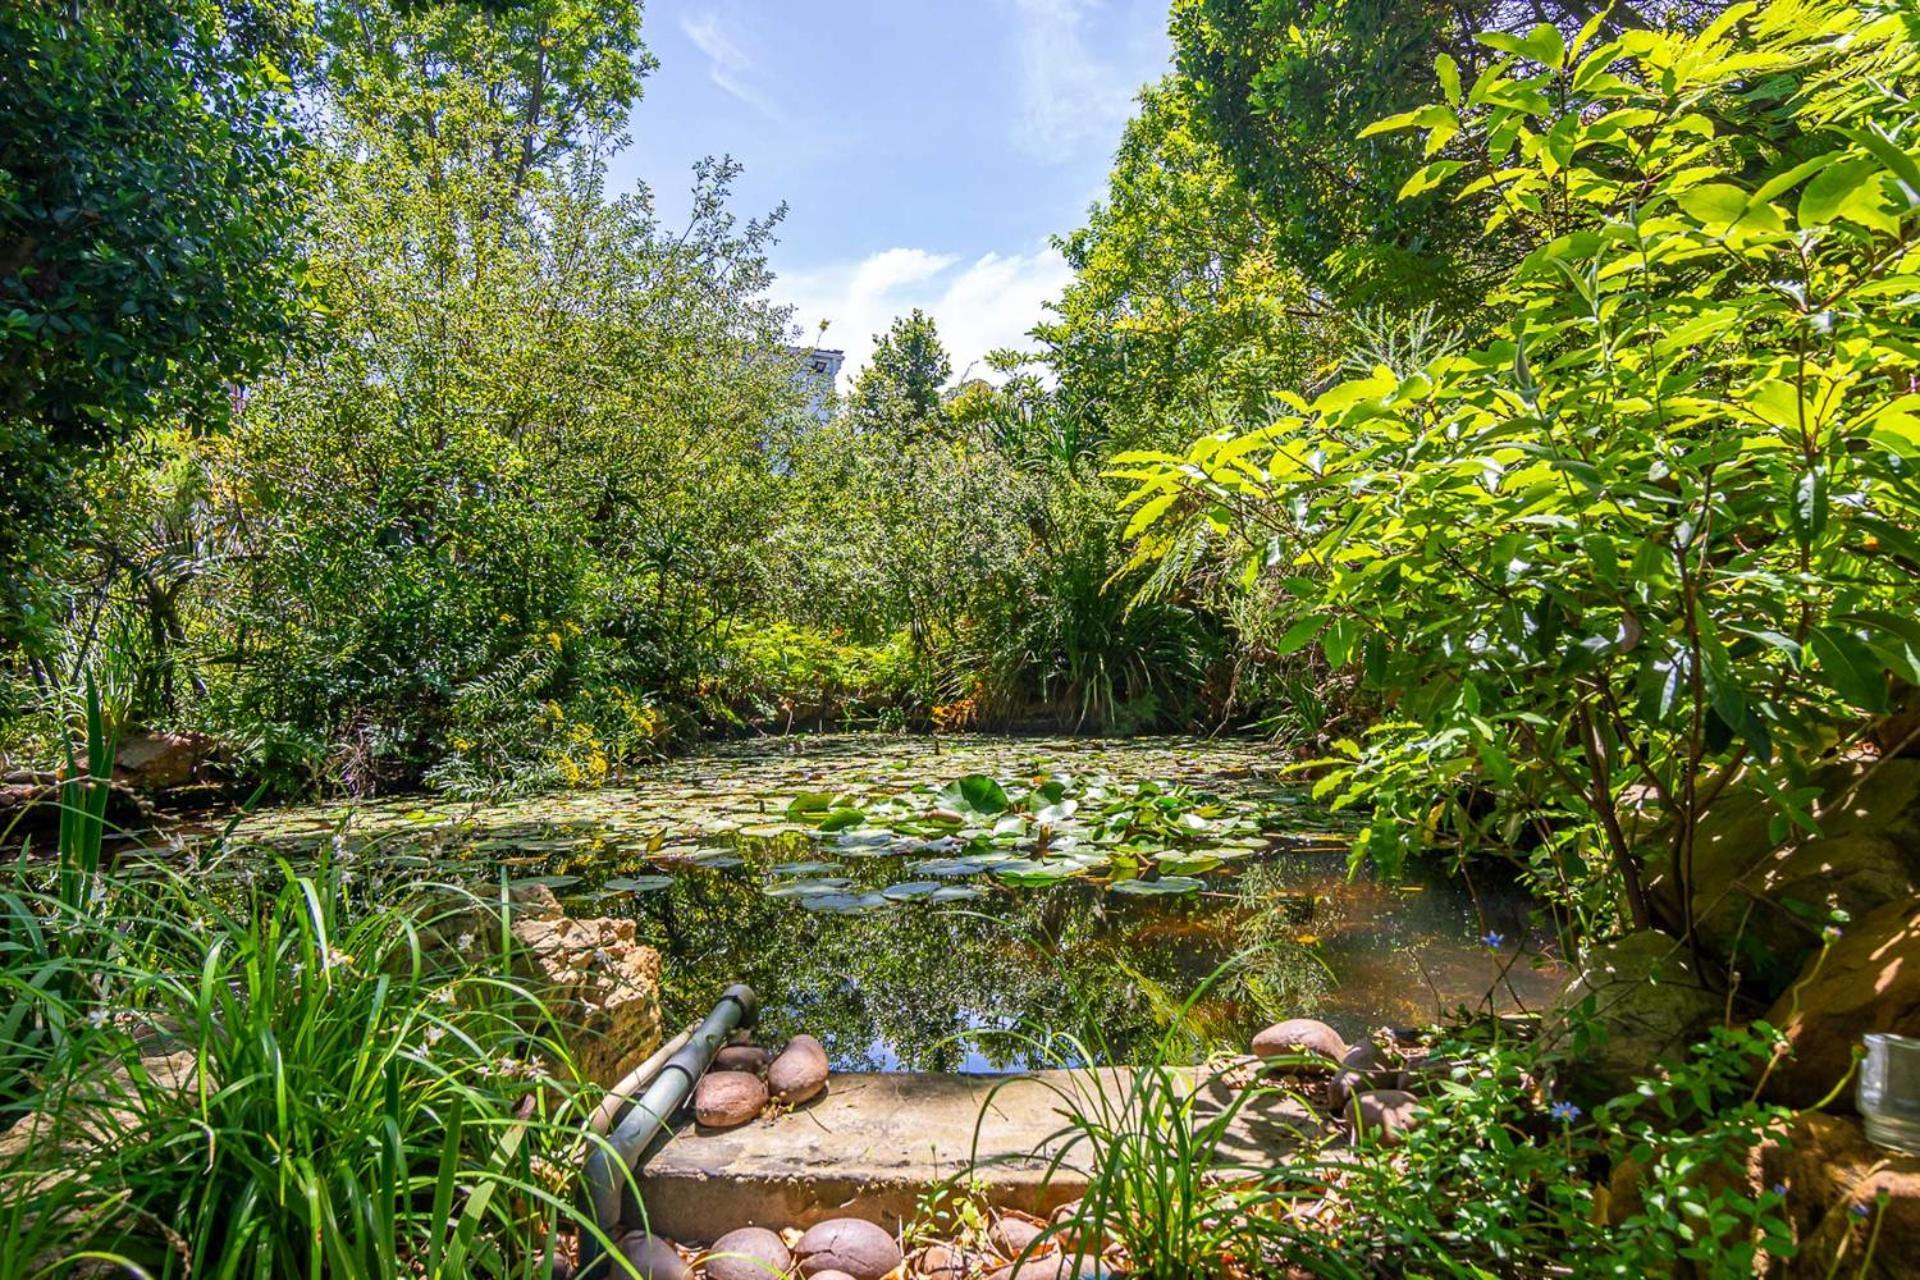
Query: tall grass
(271,1073)
(1171,1178)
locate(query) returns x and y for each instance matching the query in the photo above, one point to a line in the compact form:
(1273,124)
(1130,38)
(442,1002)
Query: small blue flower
(1780,1189)
(1564,1112)
(1493,941)
(1859,1210)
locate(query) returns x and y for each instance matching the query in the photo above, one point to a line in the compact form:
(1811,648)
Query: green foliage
(1656,535)
(900,387)
(445,549)
(1179,302)
(1287,89)
(1495,1178)
(347,1100)
(148,207)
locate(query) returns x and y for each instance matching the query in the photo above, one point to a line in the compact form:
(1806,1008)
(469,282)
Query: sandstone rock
(653,1258)
(1899,733)
(1869,981)
(751,1253)
(601,983)
(105,1107)
(1773,898)
(1366,1065)
(1647,1006)
(830,1274)
(799,1072)
(1832,1177)
(163,761)
(750,1058)
(1011,1236)
(1301,1037)
(728,1099)
(860,1248)
(1381,1115)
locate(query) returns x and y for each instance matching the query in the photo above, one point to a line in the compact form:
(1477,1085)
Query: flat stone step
(873,1145)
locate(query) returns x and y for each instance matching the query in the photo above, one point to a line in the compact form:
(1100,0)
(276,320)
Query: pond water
(932,906)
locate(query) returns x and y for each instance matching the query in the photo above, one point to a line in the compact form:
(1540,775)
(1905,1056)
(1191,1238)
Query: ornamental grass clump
(264,1072)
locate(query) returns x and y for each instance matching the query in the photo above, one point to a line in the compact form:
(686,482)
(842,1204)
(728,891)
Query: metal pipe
(611,1164)
(634,1081)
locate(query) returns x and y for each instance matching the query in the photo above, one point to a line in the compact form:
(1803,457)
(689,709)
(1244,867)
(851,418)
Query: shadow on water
(896,960)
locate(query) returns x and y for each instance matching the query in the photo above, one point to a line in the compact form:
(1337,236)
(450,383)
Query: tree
(148,247)
(1179,301)
(1649,550)
(1285,90)
(905,376)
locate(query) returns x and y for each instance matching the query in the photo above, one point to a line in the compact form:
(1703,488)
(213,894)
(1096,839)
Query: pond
(928,905)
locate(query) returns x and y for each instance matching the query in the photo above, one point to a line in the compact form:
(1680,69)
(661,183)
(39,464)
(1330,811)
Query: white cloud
(981,305)
(729,65)
(1071,98)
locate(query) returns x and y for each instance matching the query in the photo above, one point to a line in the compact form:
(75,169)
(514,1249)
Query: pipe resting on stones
(612,1164)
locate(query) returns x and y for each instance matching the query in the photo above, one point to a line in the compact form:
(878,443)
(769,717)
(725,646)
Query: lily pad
(638,884)
(807,888)
(974,793)
(1165,885)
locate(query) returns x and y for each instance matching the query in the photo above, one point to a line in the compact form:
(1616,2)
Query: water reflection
(701,855)
(929,988)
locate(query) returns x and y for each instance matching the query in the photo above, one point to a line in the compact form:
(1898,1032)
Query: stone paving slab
(873,1145)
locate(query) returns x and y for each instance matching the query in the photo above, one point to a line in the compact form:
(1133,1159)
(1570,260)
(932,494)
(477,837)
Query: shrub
(1657,535)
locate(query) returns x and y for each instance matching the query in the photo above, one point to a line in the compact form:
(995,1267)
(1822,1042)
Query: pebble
(1301,1036)
(799,1073)
(860,1248)
(1054,1266)
(653,1258)
(944,1262)
(727,1099)
(1384,1115)
(750,1058)
(1011,1236)
(751,1253)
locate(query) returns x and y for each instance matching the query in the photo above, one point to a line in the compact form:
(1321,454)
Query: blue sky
(927,149)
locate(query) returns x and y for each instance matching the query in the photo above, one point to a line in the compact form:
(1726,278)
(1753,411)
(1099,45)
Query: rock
(799,1073)
(1767,901)
(1365,1065)
(1868,981)
(1899,733)
(853,1245)
(653,1258)
(1011,1236)
(561,1268)
(1830,1173)
(109,1105)
(728,1099)
(163,761)
(830,1274)
(1340,1088)
(751,1253)
(945,1262)
(1647,1007)
(601,984)
(1298,1037)
(1052,1266)
(750,1058)
(1383,1115)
